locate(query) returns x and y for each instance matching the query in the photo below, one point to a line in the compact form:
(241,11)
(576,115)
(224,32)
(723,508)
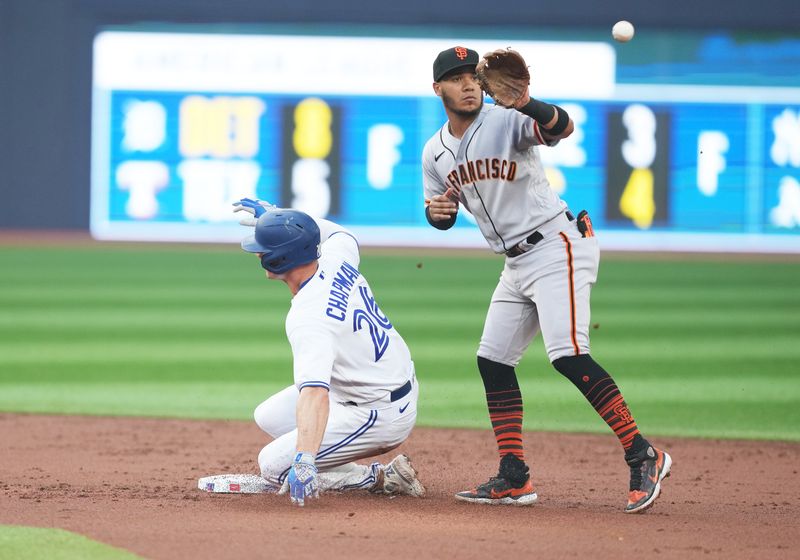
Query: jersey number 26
(375,321)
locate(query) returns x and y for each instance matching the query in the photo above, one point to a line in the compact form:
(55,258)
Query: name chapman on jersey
(480,170)
(341,287)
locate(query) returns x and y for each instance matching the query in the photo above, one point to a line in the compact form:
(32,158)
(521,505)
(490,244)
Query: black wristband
(561,123)
(441,224)
(539,111)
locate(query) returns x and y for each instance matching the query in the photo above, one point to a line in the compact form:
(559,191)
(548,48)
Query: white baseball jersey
(340,338)
(496,169)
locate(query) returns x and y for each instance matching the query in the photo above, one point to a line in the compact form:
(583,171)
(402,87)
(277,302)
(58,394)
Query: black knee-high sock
(505,406)
(603,394)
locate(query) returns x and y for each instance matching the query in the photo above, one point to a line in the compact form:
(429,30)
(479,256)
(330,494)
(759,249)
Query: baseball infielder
(354,393)
(486,160)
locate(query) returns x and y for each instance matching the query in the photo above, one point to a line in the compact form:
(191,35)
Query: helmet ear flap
(270,262)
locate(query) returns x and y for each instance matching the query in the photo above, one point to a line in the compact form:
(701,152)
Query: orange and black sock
(505,412)
(603,394)
(504,400)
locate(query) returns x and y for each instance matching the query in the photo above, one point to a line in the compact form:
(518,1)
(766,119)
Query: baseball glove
(504,76)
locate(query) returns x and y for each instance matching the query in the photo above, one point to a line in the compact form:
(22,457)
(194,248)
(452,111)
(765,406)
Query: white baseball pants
(352,433)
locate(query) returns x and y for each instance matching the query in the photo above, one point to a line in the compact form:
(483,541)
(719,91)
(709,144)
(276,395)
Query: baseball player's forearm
(554,121)
(312,412)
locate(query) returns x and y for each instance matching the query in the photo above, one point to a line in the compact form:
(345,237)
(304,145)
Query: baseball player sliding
(354,393)
(486,160)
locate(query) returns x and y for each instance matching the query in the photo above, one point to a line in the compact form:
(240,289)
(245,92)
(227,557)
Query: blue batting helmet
(288,238)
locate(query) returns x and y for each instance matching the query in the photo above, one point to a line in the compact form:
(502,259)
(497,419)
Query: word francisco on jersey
(481,170)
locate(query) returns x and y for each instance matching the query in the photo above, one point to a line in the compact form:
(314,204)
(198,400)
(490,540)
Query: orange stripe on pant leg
(571,294)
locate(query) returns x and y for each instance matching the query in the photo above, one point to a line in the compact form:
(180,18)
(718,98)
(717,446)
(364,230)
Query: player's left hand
(302,479)
(253,207)
(504,76)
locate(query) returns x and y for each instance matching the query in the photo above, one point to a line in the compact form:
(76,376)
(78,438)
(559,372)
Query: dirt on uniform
(132,483)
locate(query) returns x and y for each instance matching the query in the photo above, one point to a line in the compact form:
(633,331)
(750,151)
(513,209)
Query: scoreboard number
(310,170)
(637,201)
(637,170)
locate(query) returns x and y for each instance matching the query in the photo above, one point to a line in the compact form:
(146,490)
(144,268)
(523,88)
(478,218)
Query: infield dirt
(131,483)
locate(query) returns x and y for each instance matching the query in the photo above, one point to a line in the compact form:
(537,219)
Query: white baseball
(622,31)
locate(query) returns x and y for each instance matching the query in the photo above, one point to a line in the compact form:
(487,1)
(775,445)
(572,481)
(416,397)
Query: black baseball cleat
(511,486)
(648,469)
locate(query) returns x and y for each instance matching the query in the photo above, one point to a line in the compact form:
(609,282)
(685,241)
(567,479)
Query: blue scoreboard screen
(185,124)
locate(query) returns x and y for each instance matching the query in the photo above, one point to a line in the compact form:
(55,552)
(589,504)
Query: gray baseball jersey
(496,169)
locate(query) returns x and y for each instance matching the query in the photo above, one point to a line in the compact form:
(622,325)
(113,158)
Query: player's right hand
(442,206)
(302,479)
(253,207)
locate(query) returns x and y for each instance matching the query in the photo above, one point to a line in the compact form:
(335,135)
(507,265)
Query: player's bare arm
(313,408)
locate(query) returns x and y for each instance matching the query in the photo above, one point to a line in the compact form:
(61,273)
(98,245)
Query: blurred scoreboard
(188,124)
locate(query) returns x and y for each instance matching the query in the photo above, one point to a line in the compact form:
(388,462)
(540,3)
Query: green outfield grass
(699,348)
(33,543)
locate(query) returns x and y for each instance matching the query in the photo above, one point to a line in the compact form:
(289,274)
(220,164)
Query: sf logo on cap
(461,53)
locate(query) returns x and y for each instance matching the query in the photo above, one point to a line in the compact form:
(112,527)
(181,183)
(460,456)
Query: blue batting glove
(254,207)
(302,479)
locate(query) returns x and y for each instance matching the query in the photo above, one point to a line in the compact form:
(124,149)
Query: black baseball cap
(453,58)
